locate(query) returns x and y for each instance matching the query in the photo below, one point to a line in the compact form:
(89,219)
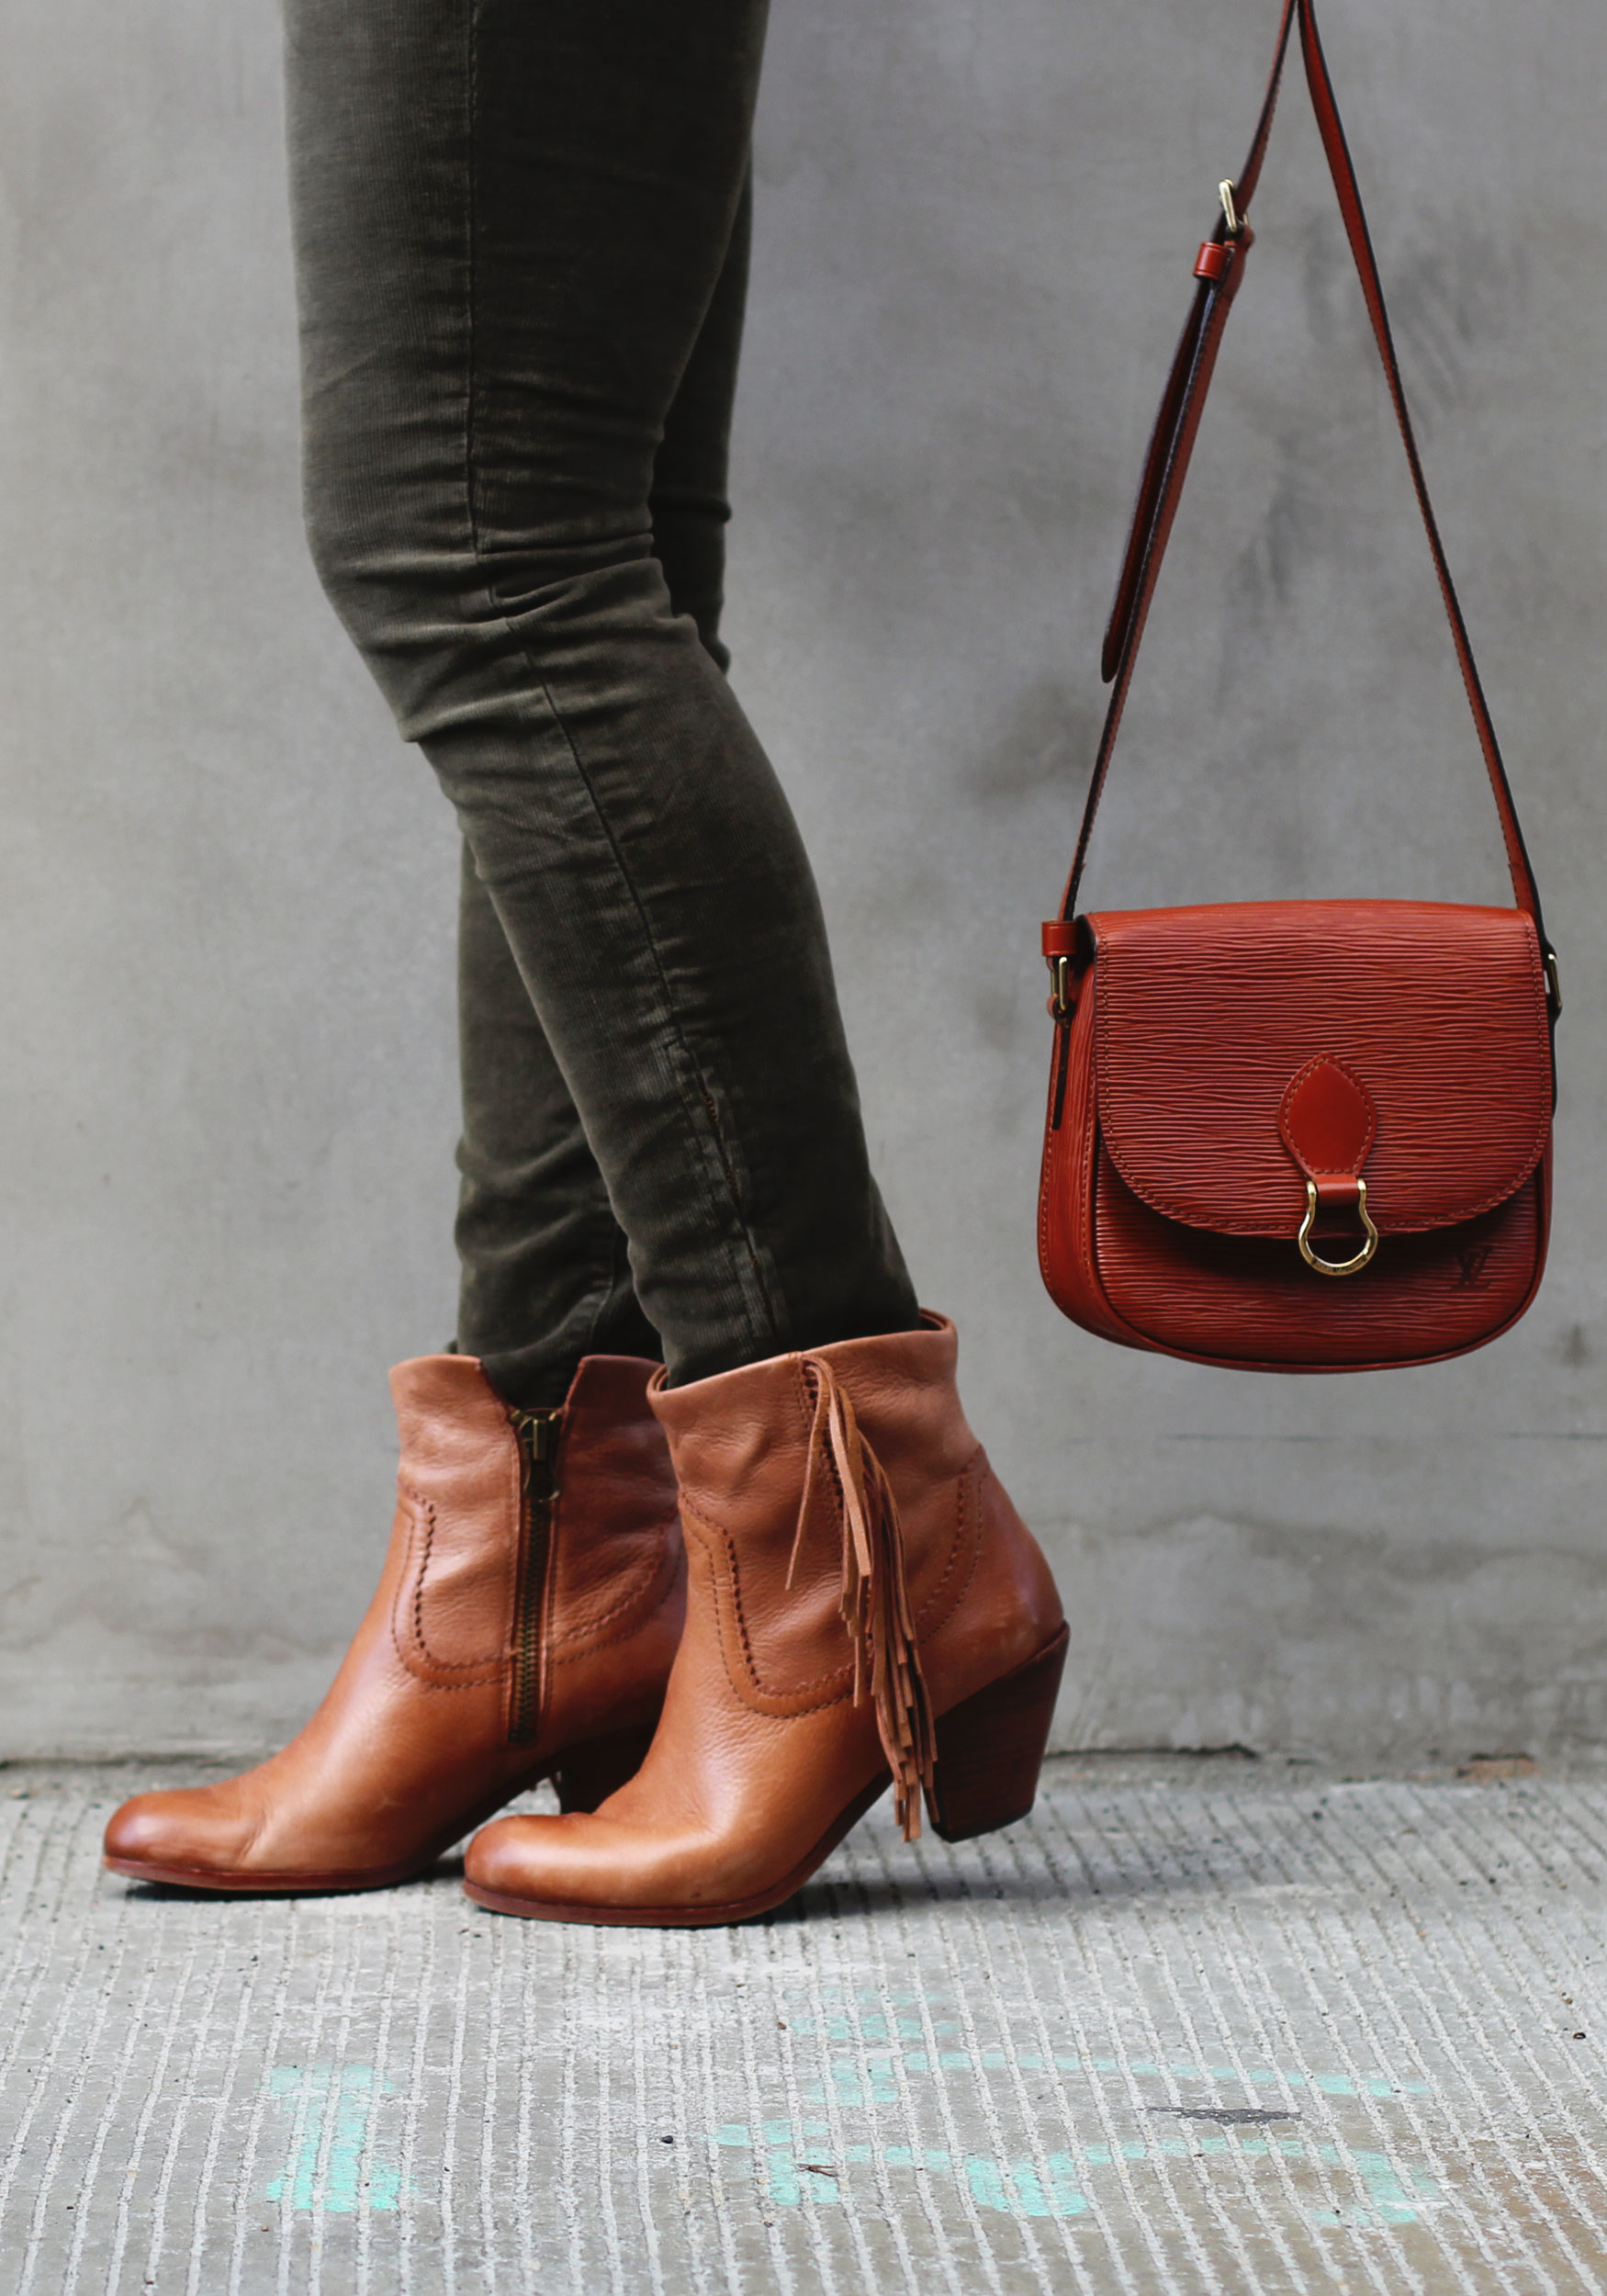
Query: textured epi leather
(1066,1195)
(1181,1238)
(1207,1016)
(1253,1305)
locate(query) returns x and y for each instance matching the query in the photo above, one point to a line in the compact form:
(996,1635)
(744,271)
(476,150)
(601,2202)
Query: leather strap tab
(1060,938)
(1219,270)
(1328,1121)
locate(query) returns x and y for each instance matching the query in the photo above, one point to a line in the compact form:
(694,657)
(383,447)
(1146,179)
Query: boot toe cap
(189,1831)
(503,1860)
(551,1863)
(601,1868)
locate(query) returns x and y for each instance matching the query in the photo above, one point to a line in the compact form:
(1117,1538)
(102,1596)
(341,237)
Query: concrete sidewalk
(1219,2025)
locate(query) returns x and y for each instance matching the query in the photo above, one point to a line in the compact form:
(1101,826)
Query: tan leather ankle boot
(525,1625)
(864,1605)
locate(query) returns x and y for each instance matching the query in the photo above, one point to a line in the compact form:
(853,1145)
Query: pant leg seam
(690,1068)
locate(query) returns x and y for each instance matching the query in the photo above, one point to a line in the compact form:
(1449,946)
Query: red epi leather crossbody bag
(1294,1135)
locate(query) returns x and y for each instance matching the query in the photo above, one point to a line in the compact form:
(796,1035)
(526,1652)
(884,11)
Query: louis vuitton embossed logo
(1472,1262)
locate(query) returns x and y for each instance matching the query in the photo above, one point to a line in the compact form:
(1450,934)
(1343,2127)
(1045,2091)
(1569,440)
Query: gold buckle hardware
(1337,1268)
(1062,1002)
(1235,221)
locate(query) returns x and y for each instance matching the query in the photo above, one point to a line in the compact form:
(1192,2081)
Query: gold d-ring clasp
(1337,1268)
(1227,193)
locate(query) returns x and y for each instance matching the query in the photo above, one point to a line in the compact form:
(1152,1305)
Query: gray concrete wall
(226,890)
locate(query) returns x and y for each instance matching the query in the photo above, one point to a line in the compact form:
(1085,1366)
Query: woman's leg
(689,501)
(511,219)
(545,1273)
(546,1277)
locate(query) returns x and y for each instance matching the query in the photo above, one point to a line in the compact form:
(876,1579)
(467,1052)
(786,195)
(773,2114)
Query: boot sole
(992,1744)
(201,1877)
(584,1775)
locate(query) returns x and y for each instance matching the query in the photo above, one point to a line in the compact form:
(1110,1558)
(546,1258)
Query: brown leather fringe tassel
(875,1595)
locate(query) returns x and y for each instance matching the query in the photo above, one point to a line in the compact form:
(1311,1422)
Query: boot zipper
(537,1433)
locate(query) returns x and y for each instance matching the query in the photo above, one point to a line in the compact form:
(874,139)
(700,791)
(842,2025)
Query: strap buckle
(1226,193)
(1063,999)
(1553,983)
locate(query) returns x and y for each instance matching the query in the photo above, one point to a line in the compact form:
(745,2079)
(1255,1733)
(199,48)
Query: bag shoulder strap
(1219,270)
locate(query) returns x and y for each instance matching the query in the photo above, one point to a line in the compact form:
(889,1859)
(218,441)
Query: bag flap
(1208,1018)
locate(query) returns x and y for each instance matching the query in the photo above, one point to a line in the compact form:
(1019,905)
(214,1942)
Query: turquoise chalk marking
(1390,2201)
(1016,2190)
(1019,2191)
(820,2185)
(1029,2193)
(1063,2198)
(871,2086)
(798,2168)
(902,2157)
(1065,2191)
(780,2181)
(987,2187)
(869,2042)
(790,2180)
(312,2094)
(1388,2193)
